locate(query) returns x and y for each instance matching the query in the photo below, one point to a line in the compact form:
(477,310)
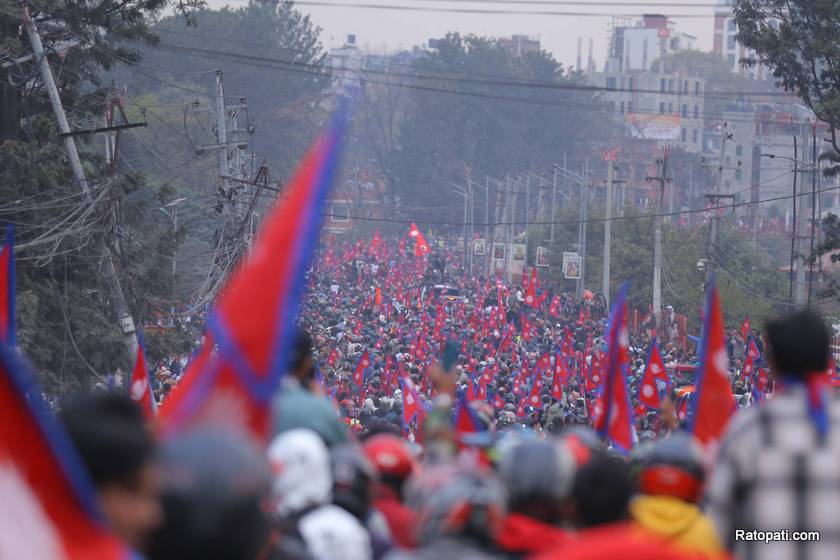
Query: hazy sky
(388,30)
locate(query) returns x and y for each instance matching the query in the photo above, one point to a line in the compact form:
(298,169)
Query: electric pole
(605,278)
(109,271)
(715,199)
(584,214)
(662,178)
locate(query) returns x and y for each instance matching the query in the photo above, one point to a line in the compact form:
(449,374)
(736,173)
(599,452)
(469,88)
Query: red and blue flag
(616,422)
(140,387)
(713,403)
(249,334)
(49,508)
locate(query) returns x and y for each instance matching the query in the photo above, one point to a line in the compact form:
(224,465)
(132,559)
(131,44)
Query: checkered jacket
(774,472)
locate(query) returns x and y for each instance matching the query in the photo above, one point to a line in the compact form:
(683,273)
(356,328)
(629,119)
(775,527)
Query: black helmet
(539,477)
(673,466)
(353,479)
(214,484)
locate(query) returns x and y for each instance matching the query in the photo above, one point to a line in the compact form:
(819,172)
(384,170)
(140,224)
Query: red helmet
(390,455)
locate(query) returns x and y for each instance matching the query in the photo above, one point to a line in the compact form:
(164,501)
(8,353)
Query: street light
(174,217)
(794,160)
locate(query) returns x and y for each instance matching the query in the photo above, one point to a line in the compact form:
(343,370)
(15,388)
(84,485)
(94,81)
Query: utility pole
(662,178)
(605,278)
(584,214)
(813,206)
(715,199)
(553,205)
(109,271)
(527,213)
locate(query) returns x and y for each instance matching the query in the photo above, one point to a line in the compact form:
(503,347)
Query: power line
(483,11)
(574,222)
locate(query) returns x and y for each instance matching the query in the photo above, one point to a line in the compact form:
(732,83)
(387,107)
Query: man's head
(117,448)
(799,343)
(301,363)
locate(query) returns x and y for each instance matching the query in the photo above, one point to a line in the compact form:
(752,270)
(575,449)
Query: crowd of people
(432,415)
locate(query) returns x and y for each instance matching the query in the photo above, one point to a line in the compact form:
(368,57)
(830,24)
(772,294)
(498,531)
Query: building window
(670,86)
(662,85)
(685,87)
(661,107)
(611,83)
(733,27)
(683,135)
(730,42)
(621,111)
(670,108)
(340,213)
(739,150)
(697,88)
(629,106)
(696,112)
(684,111)
(694,136)
(630,84)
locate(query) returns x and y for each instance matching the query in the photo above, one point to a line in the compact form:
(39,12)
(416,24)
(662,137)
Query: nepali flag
(421,247)
(249,334)
(534,398)
(656,364)
(648,391)
(762,381)
(531,293)
(616,422)
(361,367)
(465,420)
(333,358)
(713,402)
(561,370)
(526,328)
(414,408)
(7,290)
(140,388)
(49,509)
(555,307)
(745,327)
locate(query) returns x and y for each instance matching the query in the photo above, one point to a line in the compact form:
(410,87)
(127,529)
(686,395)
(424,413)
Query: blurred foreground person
(117,449)
(309,525)
(298,404)
(395,464)
(539,477)
(214,487)
(459,509)
(777,468)
(354,481)
(601,493)
(669,478)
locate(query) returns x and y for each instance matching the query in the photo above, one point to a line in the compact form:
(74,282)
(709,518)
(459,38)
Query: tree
(798,40)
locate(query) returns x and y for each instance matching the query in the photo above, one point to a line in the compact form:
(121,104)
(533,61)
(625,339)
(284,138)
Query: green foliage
(798,40)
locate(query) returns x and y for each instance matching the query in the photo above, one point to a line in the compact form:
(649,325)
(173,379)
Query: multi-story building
(727,46)
(657,104)
(637,47)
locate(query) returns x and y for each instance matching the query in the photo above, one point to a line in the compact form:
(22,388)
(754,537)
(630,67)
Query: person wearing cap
(669,475)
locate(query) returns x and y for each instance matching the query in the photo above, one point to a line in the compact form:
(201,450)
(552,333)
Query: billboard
(571,266)
(653,127)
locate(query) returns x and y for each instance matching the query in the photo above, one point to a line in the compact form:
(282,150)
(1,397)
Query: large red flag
(555,307)
(531,293)
(421,248)
(140,388)
(7,290)
(361,367)
(648,391)
(713,403)
(49,509)
(616,422)
(246,350)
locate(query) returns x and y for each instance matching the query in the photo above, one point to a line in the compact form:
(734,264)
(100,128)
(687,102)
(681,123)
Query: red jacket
(526,536)
(401,520)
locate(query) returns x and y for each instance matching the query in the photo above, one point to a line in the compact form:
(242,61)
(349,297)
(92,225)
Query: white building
(638,46)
